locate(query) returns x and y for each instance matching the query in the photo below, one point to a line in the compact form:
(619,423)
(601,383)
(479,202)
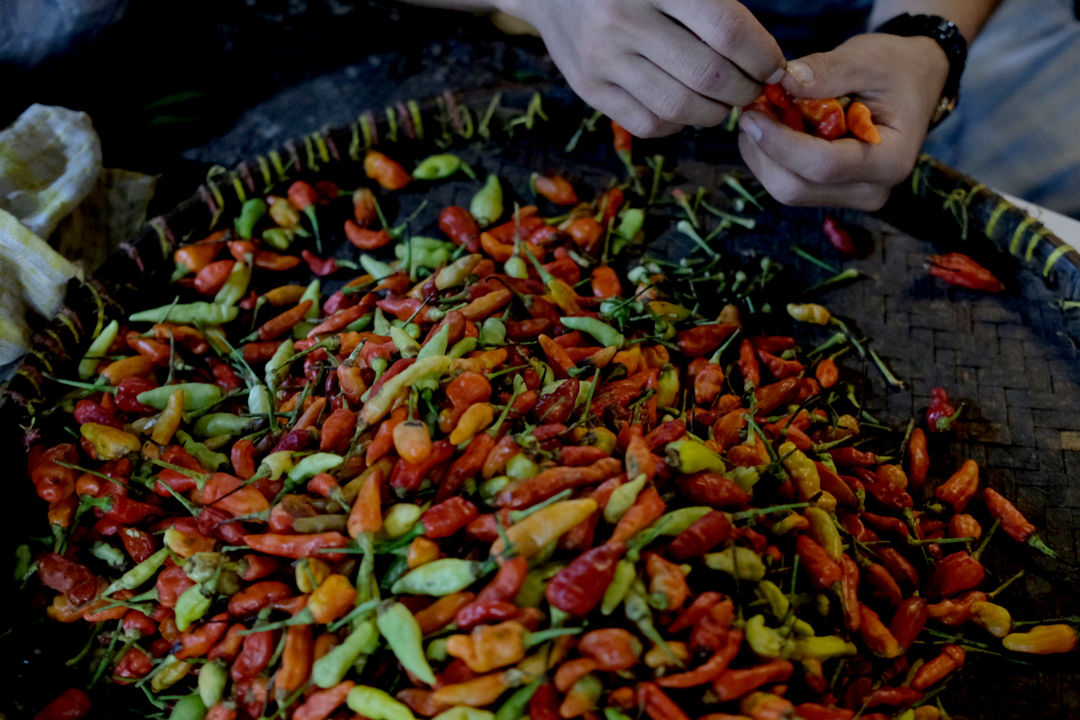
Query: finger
(665,96)
(843,160)
(682,55)
(733,31)
(623,108)
(789,188)
(827,74)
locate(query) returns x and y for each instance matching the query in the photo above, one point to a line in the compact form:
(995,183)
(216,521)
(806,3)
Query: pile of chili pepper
(826,118)
(493,477)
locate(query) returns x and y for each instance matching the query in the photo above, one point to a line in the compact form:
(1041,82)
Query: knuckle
(787,191)
(608,13)
(728,30)
(676,106)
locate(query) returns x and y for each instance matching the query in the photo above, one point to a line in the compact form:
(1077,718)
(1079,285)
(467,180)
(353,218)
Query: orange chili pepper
(388,173)
(861,124)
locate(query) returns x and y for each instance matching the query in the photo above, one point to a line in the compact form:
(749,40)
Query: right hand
(655,66)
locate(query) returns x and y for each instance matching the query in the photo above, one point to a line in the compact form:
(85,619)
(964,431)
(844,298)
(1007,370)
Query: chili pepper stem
(986,540)
(799,252)
(1036,542)
(1006,584)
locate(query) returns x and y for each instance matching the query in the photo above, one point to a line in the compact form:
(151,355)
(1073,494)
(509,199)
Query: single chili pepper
(935,670)
(555,188)
(824,571)
(959,269)
(388,173)
(531,490)
(257,596)
(837,235)
(447,517)
(705,534)
(958,490)
(908,621)
(1012,520)
(657,704)
(954,574)
(876,635)
(992,618)
(941,414)
(861,124)
(648,507)
(898,566)
(297,546)
(734,684)
(918,458)
(827,373)
(322,703)
(579,587)
(1043,640)
(460,226)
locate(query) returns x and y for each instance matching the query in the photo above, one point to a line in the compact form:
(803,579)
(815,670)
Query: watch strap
(946,34)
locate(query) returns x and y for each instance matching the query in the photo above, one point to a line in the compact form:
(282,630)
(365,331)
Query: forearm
(969,15)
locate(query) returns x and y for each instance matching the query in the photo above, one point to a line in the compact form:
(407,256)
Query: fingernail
(800,71)
(750,127)
(776,77)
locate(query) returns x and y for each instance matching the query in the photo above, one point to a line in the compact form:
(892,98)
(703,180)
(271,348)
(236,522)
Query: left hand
(899,78)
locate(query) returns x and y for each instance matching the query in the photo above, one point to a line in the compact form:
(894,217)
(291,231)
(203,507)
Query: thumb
(823,75)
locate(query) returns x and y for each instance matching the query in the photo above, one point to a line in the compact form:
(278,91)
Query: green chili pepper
(212,679)
(462,347)
(196,395)
(278,238)
(516,706)
(313,292)
(746,477)
(742,563)
(437,167)
(464,712)
(764,641)
(97,350)
(190,606)
(457,273)
(139,574)
(259,400)
(670,524)
(402,633)
(516,267)
(520,466)
(329,670)
(822,648)
(377,705)
(623,498)
(487,204)
(631,220)
(436,650)
(437,344)
(439,577)
(602,332)
(108,554)
(312,465)
(235,287)
(250,213)
(189,707)
(375,268)
(406,345)
(638,612)
(277,367)
(195,313)
(532,590)
(613,714)
(778,602)
(214,424)
(690,456)
(625,574)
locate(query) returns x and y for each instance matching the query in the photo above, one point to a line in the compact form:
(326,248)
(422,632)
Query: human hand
(899,78)
(655,66)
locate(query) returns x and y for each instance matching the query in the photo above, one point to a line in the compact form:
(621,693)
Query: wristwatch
(947,35)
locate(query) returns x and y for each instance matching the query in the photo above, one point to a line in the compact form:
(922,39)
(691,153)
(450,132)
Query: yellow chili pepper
(690,456)
(992,618)
(109,442)
(476,418)
(802,470)
(168,421)
(658,656)
(667,386)
(489,646)
(823,530)
(333,598)
(545,526)
(310,572)
(422,550)
(742,563)
(809,312)
(1042,640)
(169,673)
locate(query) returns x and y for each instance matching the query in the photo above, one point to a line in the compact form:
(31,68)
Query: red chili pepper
(320,266)
(556,406)
(298,546)
(934,671)
(779,367)
(367,238)
(409,476)
(1012,520)
(851,457)
(824,571)
(544,703)
(941,414)
(894,696)
(701,340)
(460,226)
(884,584)
(579,587)
(849,593)
(772,396)
(954,574)
(529,491)
(958,490)
(705,534)
(622,139)
(447,517)
(646,509)
(908,621)
(710,632)
(255,653)
(556,189)
(918,458)
(713,489)
(657,704)
(75,580)
(197,641)
(72,704)
(959,269)
(838,236)
(733,684)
